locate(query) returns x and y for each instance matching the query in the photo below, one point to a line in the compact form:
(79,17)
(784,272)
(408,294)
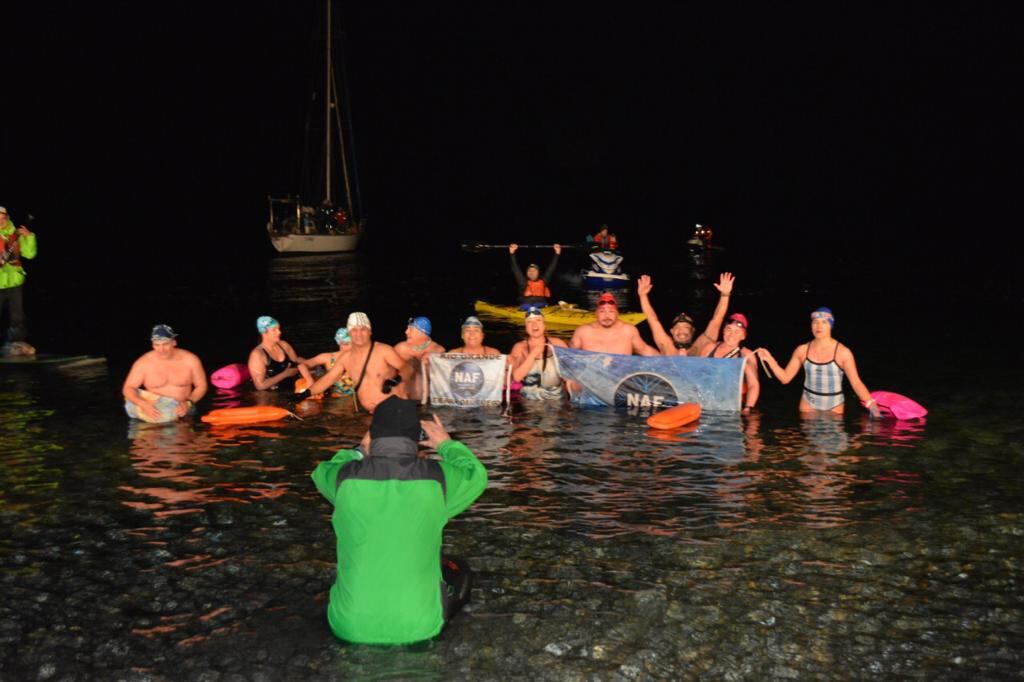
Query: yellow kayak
(561,315)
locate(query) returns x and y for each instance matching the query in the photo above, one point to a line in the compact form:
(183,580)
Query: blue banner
(651,382)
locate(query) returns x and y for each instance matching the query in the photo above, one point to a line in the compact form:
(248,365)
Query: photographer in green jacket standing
(391,504)
(15,243)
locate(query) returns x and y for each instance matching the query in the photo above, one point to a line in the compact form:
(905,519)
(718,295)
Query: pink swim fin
(899,406)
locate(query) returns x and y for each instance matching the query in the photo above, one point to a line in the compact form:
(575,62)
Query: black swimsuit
(275,367)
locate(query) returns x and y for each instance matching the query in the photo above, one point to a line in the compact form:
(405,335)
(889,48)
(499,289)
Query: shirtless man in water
(375,367)
(609,334)
(414,351)
(165,383)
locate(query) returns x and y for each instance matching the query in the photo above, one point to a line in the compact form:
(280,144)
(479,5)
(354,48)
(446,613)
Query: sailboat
(334,224)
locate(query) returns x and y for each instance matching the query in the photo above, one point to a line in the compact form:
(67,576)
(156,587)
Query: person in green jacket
(15,243)
(391,504)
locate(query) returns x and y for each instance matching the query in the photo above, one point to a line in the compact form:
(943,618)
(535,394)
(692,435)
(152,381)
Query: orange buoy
(674,417)
(245,415)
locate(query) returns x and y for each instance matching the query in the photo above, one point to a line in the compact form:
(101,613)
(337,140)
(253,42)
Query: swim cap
(824,314)
(738,318)
(607,299)
(341,336)
(357,320)
(161,332)
(682,317)
(472,321)
(421,323)
(534,311)
(395,417)
(3,210)
(533,265)
(264,323)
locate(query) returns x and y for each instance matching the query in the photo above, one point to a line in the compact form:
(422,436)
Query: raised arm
(550,271)
(710,335)
(516,272)
(661,338)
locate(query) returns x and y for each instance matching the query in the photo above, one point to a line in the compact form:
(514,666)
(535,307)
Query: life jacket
(10,250)
(536,287)
(607,242)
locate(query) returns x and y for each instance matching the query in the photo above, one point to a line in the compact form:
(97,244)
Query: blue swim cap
(264,323)
(341,336)
(824,314)
(472,321)
(421,323)
(534,311)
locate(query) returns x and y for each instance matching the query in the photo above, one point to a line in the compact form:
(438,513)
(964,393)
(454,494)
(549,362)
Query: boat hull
(554,315)
(314,243)
(597,280)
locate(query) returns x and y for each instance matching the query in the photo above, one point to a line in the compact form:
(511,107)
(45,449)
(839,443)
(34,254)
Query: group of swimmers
(171,379)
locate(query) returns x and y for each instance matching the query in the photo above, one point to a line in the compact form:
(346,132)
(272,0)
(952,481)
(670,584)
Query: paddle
(476,247)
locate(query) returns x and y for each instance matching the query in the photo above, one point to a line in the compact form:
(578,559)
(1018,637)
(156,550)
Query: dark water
(748,548)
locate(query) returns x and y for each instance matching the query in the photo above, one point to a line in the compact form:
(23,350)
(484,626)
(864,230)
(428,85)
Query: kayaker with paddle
(415,351)
(165,383)
(680,338)
(533,289)
(274,360)
(533,362)
(377,369)
(473,339)
(609,334)
(825,362)
(731,346)
(389,506)
(15,243)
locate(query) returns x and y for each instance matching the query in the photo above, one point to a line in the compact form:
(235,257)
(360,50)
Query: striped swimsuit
(823,382)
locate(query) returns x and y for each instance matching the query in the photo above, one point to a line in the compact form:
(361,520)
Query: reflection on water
(177,462)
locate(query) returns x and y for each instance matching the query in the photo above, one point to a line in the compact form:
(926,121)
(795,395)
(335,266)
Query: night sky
(824,126)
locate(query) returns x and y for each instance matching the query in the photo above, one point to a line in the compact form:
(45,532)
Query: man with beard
(609,334)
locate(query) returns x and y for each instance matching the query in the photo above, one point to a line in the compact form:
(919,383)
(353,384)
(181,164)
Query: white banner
(466,380)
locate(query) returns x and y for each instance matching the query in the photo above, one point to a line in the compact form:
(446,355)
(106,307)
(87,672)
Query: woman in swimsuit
(274,360)
(533,363)
(731,346)
(344,384)
(825,362)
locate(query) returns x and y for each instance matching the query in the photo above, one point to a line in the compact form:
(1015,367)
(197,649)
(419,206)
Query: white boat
(333,224)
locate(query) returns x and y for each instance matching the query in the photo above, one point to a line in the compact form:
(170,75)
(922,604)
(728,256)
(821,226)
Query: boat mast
(328,102)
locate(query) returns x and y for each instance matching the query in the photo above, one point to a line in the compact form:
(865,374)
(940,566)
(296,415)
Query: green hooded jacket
(390,509)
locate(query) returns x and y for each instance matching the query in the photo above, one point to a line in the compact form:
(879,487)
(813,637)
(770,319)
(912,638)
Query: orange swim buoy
(674,417)
(245,415)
